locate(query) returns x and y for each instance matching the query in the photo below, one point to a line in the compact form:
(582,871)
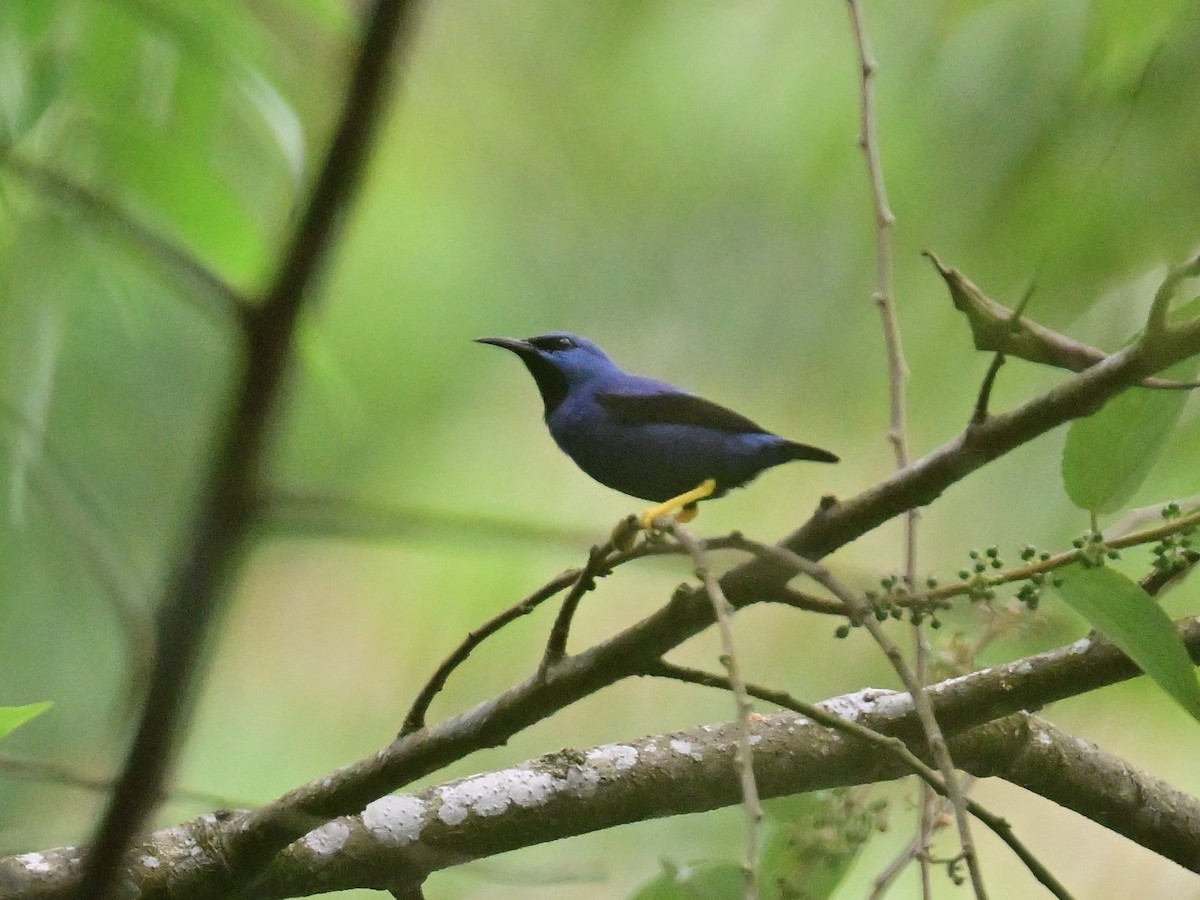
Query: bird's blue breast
(654,460)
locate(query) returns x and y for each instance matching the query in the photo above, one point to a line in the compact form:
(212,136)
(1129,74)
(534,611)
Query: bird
(645,437)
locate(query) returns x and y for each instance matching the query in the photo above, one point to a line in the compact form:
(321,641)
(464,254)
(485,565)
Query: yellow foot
(675,506)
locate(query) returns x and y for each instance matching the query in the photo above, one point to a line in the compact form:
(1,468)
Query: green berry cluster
(1170,554)
(979,586)
(1092,552)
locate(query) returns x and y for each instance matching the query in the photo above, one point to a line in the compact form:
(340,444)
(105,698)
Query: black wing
(676,409)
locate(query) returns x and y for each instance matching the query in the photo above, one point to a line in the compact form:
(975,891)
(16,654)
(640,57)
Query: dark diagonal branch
(192,598)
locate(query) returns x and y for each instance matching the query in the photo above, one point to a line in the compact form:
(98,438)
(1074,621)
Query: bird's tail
(791,450)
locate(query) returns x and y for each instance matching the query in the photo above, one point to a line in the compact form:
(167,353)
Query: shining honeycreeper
(644,437)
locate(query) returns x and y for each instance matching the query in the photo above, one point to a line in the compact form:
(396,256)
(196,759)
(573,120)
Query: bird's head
(558,362)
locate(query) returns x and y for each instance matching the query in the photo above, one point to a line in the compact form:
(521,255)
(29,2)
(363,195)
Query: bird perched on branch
(644,437)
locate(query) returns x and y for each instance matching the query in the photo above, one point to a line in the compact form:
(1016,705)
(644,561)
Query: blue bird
(644,437)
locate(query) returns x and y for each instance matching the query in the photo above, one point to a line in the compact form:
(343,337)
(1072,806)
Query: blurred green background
(676,179)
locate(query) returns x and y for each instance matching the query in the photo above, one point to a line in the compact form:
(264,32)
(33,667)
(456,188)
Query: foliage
(678,181)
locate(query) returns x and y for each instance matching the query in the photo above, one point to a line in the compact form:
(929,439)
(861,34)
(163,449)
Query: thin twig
(884,299)
(193,597)
(556,644)
(1156,321)
(979,416)
(415,719)
(729,659)
(893,870)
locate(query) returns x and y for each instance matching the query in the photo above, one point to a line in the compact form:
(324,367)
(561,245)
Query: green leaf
(1129,617)
(1109,454)
(702,881)
(13,717)
(814,839)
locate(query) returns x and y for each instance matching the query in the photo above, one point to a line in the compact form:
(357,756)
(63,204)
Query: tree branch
(997,328)
(398,840)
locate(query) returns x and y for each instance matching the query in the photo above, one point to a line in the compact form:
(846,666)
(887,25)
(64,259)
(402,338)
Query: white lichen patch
(149,862)
(491,794)
(890,704)
(686,748)
(327,840)
(868,700)
(621,757)
(35,863)
(395,821)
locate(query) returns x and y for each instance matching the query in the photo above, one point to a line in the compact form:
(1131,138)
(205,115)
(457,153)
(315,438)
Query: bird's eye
(552,343)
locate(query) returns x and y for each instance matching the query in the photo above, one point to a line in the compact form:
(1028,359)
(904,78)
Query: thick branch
(399,840)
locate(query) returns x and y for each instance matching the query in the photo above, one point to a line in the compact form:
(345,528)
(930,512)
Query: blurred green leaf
(1129,617)
(13,717)
(702,881)
(813,840)
(1109,454)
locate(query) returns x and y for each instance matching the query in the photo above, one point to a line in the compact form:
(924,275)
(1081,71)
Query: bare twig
(192,599)
(989,380)
(807,756)
(745,751)
(1156,321)
(556,644)
(897,367)
(415,719)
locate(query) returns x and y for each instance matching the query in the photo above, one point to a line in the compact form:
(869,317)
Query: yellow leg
(675,506)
